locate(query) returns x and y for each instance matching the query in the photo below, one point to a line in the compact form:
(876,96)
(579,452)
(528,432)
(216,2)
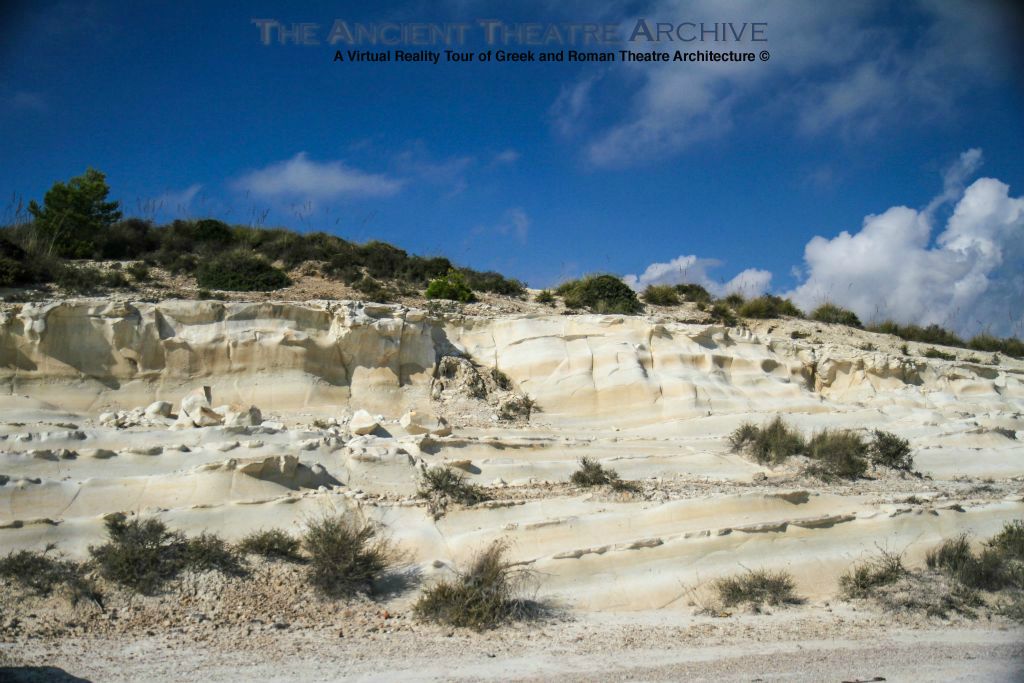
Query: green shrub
(452,287)
(492,282)
(694,293)
(518,407)
(942,355)
(889,450)
(213,232)
(771,444)
(139,272)
(933,334)
(15,266)
(1009,346)
(755,588)
(986,571)
(273,544)
(1010,541)
(545,296)
(74,216)
(345,557)
(372,290)
(839,453)
(79,279)
(864,577)
(209,552)
(116,279)
(381,259)
(661,295)
(600,294)
(486,595)
(128,239)
(41,574)
(12,273)
(769,306)
(501,380)
(239,271)
(733,300)
(442,481)
(830,313)
(720,312)
(141,554)
(591,473)
(418,270)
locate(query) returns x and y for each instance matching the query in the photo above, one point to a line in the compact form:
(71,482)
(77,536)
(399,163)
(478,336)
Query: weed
(768,306)
(942,355)
(694,293)
(486,595)
(723,314)
(344,557)
(443,482)
(830,313)
(591,473)
(503,381)
(889,450)
(273,544)
(661,295)
(839,453)
(1010,541)
(770,444)
(210,552)
(864,577)
(141,554)
(546,297)
(41,574)
(756,587)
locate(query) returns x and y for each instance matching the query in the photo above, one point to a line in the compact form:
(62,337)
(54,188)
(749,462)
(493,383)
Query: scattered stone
(158,409)
(362,423)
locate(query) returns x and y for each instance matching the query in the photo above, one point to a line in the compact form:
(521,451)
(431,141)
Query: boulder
(196,408)
(242,416)
(414,422)
(363,423)
(158,409)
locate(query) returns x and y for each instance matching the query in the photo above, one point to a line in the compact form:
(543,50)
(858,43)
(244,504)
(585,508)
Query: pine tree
(75,215)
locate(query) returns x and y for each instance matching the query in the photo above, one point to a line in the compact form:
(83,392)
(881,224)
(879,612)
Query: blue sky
(544,171)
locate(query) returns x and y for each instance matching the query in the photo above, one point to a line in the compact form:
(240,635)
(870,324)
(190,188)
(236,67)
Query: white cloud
(514,222)
(417,162)
(508,156)
(28,101)
(177,201)
(751,282)
(849,68)
(969,278)
(571,105)
(300,177)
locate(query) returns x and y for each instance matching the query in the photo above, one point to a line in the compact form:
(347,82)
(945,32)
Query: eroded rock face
(389,359)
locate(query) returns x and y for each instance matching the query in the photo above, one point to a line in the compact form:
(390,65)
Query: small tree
(74,215)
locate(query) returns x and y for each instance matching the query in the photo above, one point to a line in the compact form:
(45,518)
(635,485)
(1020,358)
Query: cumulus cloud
(301,177)
(694,270)
(849,68)
(968,278)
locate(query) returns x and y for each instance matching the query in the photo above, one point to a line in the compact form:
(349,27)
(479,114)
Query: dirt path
(786,646)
